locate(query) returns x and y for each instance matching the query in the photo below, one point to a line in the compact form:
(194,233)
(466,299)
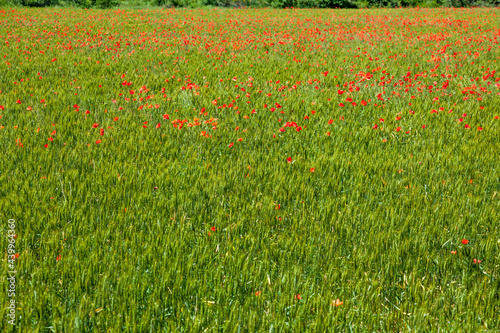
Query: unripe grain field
(250,170)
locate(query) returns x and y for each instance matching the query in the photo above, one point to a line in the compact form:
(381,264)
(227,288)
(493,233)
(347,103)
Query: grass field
(250,170)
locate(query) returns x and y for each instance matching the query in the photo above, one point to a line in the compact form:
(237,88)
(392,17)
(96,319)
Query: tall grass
(127,220)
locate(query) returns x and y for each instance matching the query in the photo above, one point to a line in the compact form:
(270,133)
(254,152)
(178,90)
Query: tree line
(254,3)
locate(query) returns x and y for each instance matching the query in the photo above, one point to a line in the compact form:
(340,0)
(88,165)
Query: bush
(96,3)
(38,3)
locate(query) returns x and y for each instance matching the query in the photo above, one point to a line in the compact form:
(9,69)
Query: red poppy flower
(479,128)
(289,160)
(158,125)
(54,59)
(98,142)
(465,241)
(95,125)
(231,144)
(46,145)
(467,126)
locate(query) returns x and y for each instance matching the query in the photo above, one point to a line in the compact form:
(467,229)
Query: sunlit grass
(186,189)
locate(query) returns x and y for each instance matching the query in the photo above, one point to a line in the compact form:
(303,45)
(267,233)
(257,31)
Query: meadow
(250,170)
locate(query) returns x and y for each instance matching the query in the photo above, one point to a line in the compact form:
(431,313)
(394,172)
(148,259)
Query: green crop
(250,170)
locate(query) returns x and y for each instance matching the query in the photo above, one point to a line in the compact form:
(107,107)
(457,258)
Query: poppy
(337,302)
(465,241)
(289,160)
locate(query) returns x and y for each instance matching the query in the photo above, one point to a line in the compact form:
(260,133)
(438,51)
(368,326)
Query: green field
(250,170)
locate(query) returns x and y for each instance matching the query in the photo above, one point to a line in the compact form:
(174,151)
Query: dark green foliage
(96,3)
(265,3)
(312,4)
(37,3)
(429,3)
